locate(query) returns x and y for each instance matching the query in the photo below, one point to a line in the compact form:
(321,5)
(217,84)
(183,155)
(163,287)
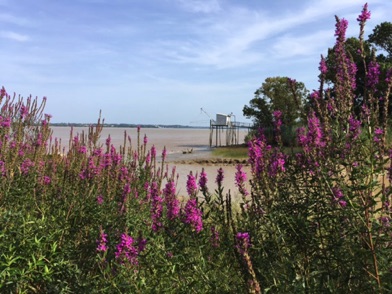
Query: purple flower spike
(126,251)
(102,242)
(365,14)
(172,203)
(203,181)
(240,179)
(219,177)
(191,186)
(193,215)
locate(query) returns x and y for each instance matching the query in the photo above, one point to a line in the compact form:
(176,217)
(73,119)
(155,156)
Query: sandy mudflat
(176,141)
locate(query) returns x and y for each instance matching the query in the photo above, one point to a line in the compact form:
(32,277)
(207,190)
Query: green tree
(277,93)
(382,37)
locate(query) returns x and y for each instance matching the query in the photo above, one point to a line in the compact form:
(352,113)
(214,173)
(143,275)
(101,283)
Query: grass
(241,151)
(236,152)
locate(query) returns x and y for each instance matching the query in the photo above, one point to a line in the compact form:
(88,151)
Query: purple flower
(373,74)
(342,203)
(243,242)
(354,127)
(156,207)
(82,149)
(345,68)
(203,181)
(377,134)
(5,122)
(385,221)
(153,152)
(277,164)
(46,180)
(3,92)
(240,179)
(26,165)
(315,134)
(126,251)
(100,199)
(337,193)
(191,186)
(193,215)
(365,14)
(108,140)
(24,111)
(340,29)
(338,196)
(314,139)
(172,203)
(219,177)
(102,242)
(278,119)
(323,66)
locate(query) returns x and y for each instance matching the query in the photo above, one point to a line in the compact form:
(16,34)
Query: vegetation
(237,152)
(277,94)
(363,53)
(104,220)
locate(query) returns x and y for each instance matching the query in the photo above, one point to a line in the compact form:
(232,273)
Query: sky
(162,61)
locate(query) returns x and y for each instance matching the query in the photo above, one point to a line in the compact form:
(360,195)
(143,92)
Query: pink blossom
(156,207)
(172,203)
(193,215)
(203,181)
(47,180)
(126,251)
(240,179)
(365,14)
(191,185)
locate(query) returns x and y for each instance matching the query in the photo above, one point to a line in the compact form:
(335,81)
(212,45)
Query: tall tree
(382,37)
(277,93)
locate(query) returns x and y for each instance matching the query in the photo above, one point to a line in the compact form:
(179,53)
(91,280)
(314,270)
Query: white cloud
(201,6)
(14,36)
(239,36)
(288,46)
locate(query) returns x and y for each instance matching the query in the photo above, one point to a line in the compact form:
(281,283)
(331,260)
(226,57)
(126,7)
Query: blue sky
(160,61)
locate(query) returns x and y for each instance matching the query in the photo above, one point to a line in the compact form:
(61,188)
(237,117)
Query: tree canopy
(277,93)
(382,37)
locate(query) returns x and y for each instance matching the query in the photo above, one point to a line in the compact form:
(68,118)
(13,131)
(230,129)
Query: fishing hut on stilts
(226,130)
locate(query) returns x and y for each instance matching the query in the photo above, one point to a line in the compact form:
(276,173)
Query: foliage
(277,93)
(382,37)
(90,218)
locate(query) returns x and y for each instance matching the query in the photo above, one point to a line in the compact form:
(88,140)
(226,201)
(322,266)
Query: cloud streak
(14,36)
